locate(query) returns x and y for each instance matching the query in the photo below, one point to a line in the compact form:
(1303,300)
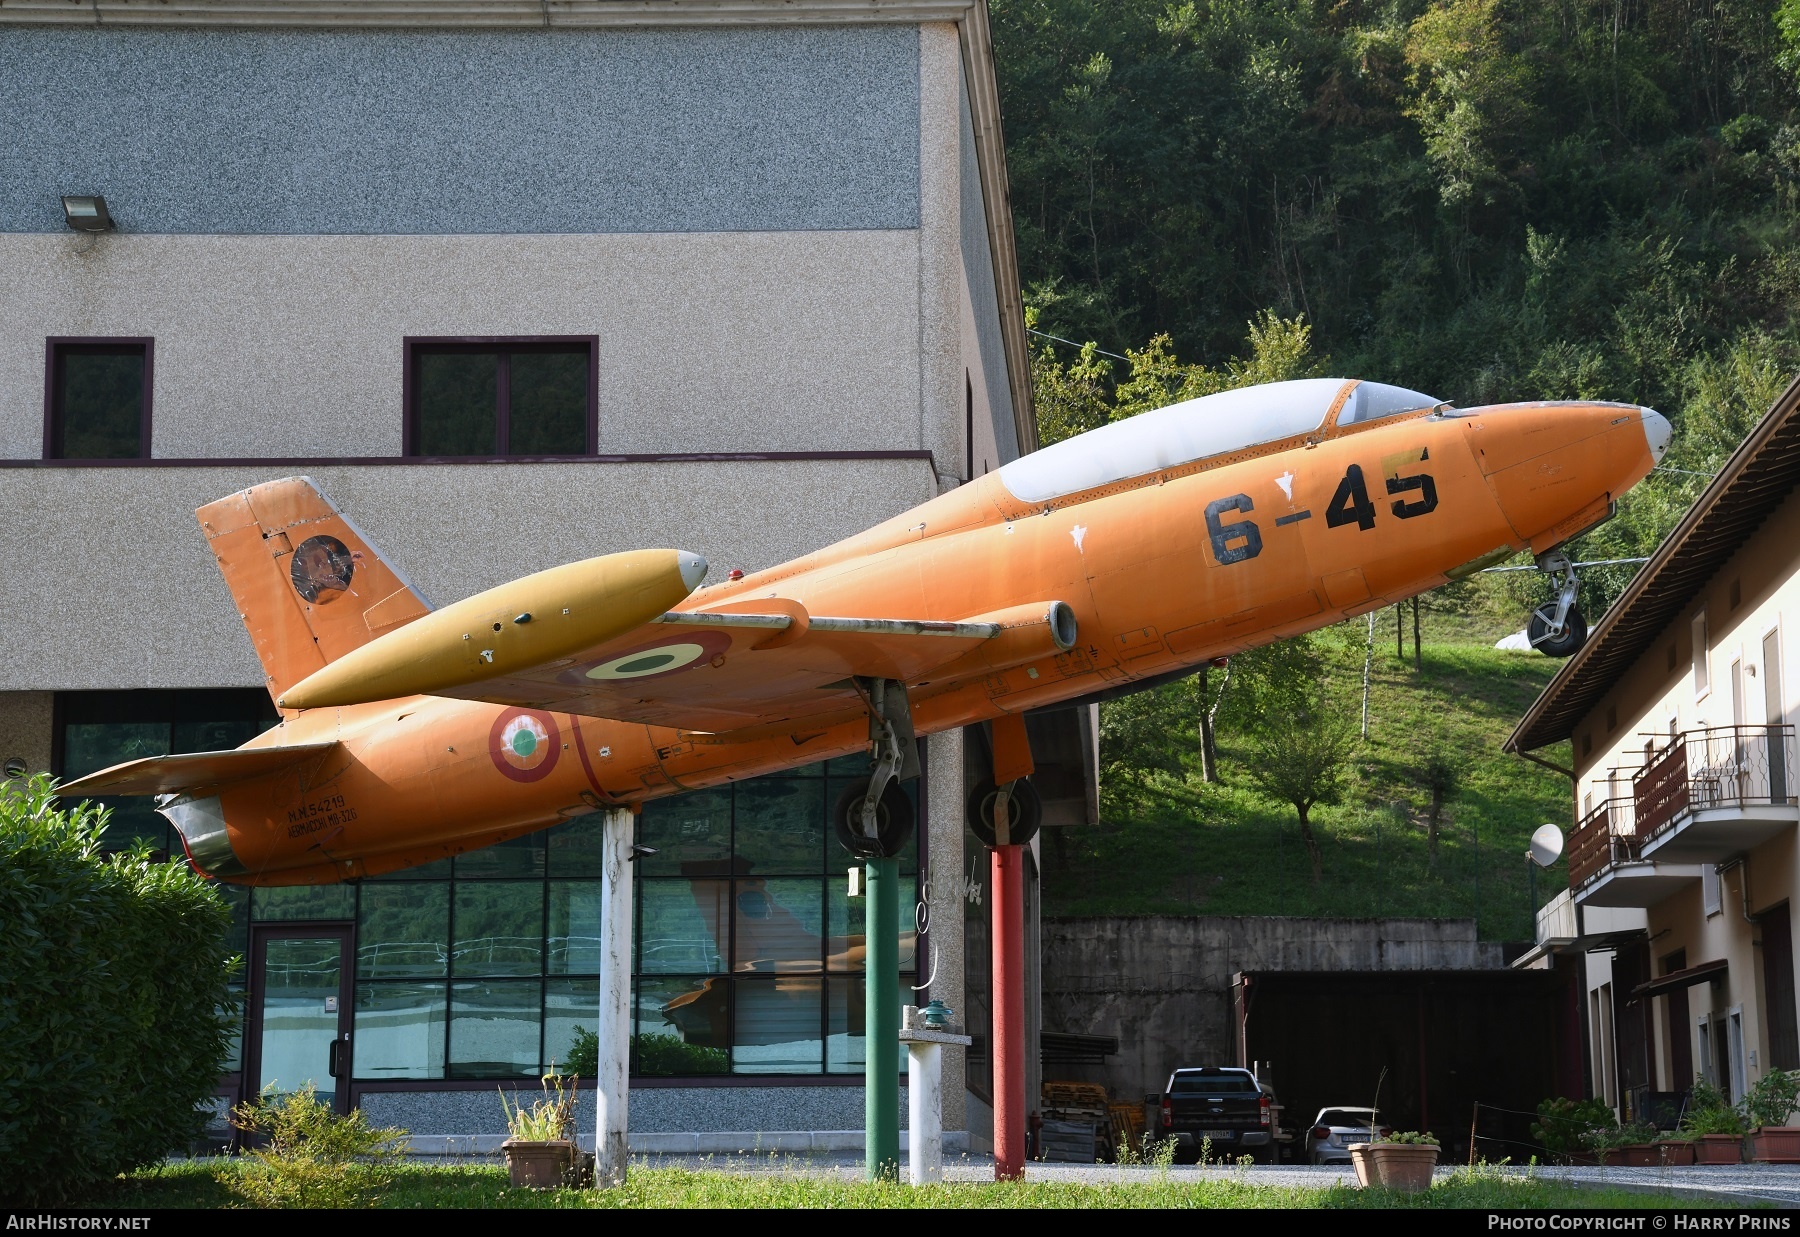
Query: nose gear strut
(1557,628)
(875,821)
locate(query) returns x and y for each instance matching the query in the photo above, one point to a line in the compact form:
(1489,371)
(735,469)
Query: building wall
(338,132)
(112,586)
(776,235)
(291,346)
(1661,686)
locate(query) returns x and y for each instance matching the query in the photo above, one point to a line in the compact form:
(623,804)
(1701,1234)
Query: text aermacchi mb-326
(1120,557)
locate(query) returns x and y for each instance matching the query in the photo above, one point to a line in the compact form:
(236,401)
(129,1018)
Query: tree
(115,1008)
(1302,757)
(1441,776)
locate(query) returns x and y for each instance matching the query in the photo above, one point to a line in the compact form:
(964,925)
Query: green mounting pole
(881,1022)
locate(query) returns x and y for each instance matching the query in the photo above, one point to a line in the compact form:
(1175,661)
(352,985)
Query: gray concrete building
(517,282)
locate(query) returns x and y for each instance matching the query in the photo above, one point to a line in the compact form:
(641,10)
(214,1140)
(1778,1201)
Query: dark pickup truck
(1222,1104)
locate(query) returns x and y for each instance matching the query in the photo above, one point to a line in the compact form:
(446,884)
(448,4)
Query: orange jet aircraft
(1103,563)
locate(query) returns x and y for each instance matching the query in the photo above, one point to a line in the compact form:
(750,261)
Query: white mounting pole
(611,1084)
(925,1113)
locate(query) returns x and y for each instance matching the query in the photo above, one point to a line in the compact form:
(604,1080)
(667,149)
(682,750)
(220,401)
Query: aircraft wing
(163,775)
(773,665)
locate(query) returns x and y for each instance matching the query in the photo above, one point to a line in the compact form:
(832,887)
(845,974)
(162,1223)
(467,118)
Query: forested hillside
(1489,200)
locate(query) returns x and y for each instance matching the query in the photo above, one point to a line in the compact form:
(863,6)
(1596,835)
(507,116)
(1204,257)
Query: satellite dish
(1546,845)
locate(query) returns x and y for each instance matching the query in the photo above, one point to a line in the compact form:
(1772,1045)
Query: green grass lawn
(1184,847)
(205,1184)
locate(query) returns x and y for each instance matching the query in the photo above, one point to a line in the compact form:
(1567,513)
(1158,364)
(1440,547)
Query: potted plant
(1714,1127)
(540,1147)
(1768,1104)
(1629,1146)
(1397,1161)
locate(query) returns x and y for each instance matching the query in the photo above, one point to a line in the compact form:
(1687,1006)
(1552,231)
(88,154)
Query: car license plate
(1218,1133)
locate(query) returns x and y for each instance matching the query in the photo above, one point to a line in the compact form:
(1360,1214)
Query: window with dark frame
(501,396)
(97,399)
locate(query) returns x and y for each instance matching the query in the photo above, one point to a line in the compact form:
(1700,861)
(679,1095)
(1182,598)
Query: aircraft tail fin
(307,583)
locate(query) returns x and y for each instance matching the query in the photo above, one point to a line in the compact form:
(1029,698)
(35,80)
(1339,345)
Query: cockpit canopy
(1211,425)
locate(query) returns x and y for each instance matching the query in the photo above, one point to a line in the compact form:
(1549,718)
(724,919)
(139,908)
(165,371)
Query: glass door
(299,1026)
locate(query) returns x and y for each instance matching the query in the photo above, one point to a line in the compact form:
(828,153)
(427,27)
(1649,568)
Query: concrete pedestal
(925,1101)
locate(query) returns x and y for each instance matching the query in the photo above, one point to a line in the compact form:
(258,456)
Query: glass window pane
(574,928)
(849,925)
(837,858)
(289,902)
(684,927)
(494,1029)
(234,1055)
(90,747)
(237,897)
(681,1027)
(777,1025)
(848,998)
(399,1031)
(436,870)
(403,930)
(213,736)
(499,928)
(102,403)
(548,409)
(780,825)
(299,1012)
(568,1004)
(457,405)
(779,925)
(521,856)
(690,833)
(575,849)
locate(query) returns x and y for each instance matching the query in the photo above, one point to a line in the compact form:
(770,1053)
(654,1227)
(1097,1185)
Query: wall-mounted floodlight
(87,214)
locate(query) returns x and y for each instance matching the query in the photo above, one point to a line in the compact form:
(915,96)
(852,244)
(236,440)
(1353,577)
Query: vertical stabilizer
(308,585)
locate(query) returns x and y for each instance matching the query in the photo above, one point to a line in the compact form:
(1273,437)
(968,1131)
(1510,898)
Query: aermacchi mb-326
(1120,557)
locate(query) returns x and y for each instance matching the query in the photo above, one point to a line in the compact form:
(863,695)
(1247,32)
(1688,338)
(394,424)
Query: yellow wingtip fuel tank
(539,618)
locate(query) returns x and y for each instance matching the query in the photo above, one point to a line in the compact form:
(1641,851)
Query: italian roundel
(524,745)
(672,653)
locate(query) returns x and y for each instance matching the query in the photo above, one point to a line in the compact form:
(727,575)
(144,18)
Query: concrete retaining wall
(1162,983)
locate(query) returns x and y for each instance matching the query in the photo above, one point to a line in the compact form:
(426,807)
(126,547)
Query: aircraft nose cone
(1657,432)
(693,567)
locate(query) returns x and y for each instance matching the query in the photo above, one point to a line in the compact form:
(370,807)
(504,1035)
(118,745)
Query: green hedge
(115,1014)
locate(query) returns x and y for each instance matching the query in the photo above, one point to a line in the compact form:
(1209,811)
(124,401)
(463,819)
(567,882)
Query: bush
(1564,1125)
(1772,1098)
(313,1157)
(115,1014)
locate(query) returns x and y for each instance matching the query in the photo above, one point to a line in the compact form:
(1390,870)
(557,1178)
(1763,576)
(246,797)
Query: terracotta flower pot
(1719,1149)
(539,1165)
(1404,1167)
(1775,1144)
(1640,1155)
(1677,1152)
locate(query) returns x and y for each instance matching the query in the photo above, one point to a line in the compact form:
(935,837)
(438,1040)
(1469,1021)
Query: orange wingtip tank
(546,617)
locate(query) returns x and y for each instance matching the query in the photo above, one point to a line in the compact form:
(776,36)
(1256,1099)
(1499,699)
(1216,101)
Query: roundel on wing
(668,655)
(524,745)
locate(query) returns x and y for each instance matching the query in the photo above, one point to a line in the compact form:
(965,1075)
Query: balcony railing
(1722,766)
(1605,836)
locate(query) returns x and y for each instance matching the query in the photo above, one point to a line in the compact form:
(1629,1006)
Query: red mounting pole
(1008,931)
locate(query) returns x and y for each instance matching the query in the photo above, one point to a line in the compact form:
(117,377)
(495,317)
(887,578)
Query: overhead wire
(1071,343)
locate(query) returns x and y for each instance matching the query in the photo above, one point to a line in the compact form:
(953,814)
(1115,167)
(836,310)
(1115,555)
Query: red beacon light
(737,573)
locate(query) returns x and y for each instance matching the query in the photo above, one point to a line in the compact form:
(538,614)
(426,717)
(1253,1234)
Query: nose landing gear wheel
(1562,644)
(1025,811)
(893,822)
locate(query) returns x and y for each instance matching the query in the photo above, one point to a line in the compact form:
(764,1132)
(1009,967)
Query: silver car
(1335,1130)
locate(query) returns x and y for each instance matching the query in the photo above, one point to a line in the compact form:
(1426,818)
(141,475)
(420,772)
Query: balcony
(1710,795)
(1715,793)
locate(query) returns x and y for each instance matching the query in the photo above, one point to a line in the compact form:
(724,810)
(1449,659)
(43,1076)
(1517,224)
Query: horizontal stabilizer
(167,775)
